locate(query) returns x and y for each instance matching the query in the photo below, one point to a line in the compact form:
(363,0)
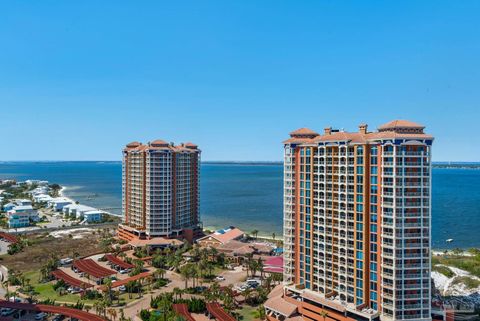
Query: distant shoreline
(446,165)
(61,193)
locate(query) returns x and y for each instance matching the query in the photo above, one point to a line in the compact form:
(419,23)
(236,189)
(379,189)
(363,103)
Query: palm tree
(159,273)
(248,258)
(324,314)
(228,296)
(260,267)
(273,236)
(254,233)
(267,283)
(185,272)
(260,312)
(253,266)
(98,307)
(129,286)
(202,266)
(108,284)
(113,313)
(214,253)
(177,292)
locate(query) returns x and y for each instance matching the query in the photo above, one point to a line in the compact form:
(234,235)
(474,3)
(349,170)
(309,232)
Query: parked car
(19,313)
(220,278)
(58,317)
(14,299)
(66,261)
(40,316)
(7,311)
(122,288)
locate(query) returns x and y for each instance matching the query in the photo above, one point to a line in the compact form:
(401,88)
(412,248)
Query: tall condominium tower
(160,190)
(357,223)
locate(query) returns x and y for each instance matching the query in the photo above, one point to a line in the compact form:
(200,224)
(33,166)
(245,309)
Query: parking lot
(23,315)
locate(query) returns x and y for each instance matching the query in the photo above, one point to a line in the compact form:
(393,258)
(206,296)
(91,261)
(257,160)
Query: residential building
(59,202)
(221,237)
(22,202)
(21,215)
(77,210)
(160,190)
(18,220)
(28,209)
(357,223)
(9,206)
(42,198)
(92,216)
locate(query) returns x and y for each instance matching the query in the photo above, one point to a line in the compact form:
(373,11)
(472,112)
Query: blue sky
(80,79)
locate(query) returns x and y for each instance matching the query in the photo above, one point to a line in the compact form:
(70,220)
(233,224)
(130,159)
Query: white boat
(449,241)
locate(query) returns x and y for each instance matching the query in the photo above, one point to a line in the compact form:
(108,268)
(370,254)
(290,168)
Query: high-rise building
(160,190)
(357,224)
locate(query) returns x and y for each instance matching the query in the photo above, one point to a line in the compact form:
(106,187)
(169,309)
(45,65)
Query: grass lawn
(469,282)
(467,263)
(46,291)
(443,270)
(247,313)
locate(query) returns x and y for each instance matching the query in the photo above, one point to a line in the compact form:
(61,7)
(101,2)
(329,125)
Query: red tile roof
(69,312)
(121,263)
(216,310)
(90,267)
(397,129)
(70,280)
(191,145)
(115,284)
(159,143)
(8,237)
(303,132)
(133,144)
(155,241)
(400,124)
(231,234)
(182,309)
(280,305)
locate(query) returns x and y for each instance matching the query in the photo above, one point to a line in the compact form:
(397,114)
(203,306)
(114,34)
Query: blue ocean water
(250,196)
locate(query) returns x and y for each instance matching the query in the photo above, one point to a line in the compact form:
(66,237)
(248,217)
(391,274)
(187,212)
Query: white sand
(77,233)
(446,287)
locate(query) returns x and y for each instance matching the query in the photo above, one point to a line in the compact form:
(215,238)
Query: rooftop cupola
(402,127)
(303,133)
(190,145)
(159,143)
(133,145)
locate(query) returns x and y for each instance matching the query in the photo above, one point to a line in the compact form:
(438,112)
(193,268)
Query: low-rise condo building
(160,190)
(357,224)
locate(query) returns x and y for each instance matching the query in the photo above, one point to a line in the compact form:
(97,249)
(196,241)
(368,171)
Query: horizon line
(203,161)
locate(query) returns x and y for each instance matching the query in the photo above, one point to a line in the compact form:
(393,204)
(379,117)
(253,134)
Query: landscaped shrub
(60,284)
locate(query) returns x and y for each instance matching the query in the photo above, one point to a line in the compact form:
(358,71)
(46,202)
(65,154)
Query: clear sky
(80,79)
